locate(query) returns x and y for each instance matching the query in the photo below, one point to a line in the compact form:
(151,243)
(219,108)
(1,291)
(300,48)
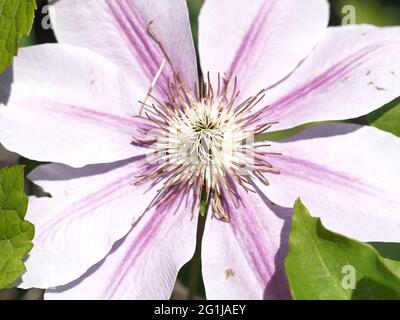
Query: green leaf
(15,233)
(390,251)
(321,264)
(16,19)
(386,118)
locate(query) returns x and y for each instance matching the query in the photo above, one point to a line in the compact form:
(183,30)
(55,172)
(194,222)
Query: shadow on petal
(278,286)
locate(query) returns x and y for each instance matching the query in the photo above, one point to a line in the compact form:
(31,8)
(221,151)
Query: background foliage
(16,17)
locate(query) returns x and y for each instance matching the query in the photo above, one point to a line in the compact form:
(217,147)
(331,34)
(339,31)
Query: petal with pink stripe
(144,265)
(244,259)
(68,105)
(353,71)
(259,41)
(117,29)
(89,209)
(346,174)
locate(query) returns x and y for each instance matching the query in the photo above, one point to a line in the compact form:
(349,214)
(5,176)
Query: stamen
(153,84)
(201,145)
(160,45)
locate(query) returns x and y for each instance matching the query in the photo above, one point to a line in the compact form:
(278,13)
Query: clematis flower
(135,139)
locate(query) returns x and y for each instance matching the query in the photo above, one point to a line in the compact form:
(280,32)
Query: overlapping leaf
(15,232)
(16,18)
(324,265)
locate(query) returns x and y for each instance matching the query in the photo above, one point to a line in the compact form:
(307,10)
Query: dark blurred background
(378,12)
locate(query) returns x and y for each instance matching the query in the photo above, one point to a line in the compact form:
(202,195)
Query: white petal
(68,105)
(259,41)
(89,210)
(244,259)
(345,173)
(144,265)
(117,29)
(352,72)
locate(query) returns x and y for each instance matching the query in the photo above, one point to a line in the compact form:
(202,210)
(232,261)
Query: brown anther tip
(225,219)
(149,24)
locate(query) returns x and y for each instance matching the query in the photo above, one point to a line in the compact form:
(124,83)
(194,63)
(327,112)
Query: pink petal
(68,105)
(353,71)
(345,173)
(89,209)
(259,41)
(143,265)
(244,259)
(117,30)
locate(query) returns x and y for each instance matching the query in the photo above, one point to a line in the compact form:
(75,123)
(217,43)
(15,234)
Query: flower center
(204,135)
(202,143)
(205,144)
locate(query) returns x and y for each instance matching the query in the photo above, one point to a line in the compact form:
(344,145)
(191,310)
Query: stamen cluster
(203,143)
